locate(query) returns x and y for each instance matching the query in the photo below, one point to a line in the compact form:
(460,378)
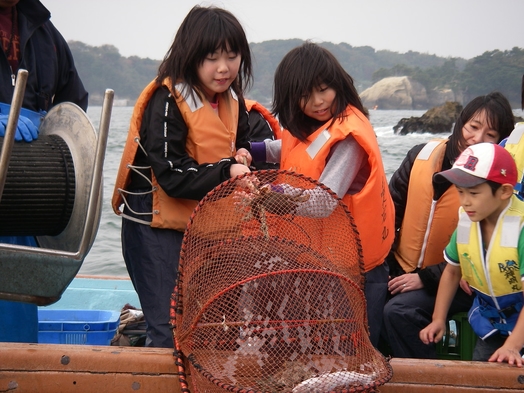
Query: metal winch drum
(39,192)
(52,190)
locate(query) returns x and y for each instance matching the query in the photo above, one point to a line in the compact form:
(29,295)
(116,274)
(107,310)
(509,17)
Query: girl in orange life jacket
(186,127)
(327,136)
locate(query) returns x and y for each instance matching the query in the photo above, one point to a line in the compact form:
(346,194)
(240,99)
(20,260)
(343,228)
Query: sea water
(105,257)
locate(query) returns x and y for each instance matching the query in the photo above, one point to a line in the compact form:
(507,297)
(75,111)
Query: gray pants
(485,348)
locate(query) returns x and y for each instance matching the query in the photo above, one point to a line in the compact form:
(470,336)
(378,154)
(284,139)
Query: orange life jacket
(372,207)
(210,138)
(266,114)
(427,225)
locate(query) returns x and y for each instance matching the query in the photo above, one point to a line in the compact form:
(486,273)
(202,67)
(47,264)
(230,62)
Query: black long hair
(300,71)
(204,31)
(498,114)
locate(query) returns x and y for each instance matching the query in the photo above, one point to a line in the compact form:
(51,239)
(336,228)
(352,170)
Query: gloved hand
(25,130)
(28,123)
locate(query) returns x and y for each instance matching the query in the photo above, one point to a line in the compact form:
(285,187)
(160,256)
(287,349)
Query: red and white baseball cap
(481,162)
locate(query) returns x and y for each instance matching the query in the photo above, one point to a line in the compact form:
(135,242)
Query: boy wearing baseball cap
(486,250)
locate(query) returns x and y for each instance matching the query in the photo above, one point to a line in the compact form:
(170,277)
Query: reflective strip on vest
(510,232)
(426,151)
(318,143)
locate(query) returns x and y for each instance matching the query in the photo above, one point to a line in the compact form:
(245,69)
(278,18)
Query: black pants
(375,291)
(151,256)
(406,314)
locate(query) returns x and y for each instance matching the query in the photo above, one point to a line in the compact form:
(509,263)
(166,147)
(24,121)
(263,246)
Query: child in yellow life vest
(486,249)
(183,138)
(327,136)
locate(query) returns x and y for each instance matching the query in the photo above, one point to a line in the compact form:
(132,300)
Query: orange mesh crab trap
(270,292)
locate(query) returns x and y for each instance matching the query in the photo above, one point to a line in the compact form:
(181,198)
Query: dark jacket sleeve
(430,277)
(243,129)
(399,183)
(69,87)
(179,175)
(44,53)
(259,128)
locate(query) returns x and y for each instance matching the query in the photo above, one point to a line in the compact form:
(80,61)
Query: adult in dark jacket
(426,214)
(29,41)
(33,43)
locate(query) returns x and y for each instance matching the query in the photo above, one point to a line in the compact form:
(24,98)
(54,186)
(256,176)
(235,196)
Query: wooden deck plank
(50,368)
(53,368)
(55,357)
(439,375)
(64,382)
(424,388)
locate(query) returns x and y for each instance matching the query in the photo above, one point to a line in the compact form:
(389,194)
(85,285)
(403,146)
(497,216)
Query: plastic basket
(459,341)
(82,327)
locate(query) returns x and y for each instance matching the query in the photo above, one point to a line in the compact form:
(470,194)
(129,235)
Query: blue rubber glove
(25,130)
(28,123)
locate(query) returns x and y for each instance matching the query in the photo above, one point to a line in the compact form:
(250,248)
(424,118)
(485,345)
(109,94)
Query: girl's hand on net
(238,169)
(243,157)
(249,184)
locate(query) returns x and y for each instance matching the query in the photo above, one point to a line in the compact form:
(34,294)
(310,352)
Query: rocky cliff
(439,119)
(402,92)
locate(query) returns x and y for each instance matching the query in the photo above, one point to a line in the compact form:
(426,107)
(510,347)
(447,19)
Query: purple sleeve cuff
(258,151)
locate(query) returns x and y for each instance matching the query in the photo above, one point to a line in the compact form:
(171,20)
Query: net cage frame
(237,324)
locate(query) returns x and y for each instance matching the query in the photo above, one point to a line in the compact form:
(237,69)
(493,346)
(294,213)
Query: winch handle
(12,121)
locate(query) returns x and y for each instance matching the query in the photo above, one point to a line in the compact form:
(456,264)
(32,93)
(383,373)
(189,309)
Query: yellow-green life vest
(497,272)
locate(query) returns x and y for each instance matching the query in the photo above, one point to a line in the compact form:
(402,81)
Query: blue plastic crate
(83,327)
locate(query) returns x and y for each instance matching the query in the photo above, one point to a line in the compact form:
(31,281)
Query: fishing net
(270,292)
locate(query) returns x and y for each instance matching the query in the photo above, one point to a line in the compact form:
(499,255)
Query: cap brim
(459,178)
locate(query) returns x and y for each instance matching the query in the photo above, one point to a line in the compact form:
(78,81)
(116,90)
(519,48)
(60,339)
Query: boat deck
(60,368)
(50,368)
(97,293)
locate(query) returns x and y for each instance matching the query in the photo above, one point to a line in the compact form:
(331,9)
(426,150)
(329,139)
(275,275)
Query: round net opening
(269,297)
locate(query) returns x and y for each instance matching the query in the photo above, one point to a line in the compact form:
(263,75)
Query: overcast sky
(456,28)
